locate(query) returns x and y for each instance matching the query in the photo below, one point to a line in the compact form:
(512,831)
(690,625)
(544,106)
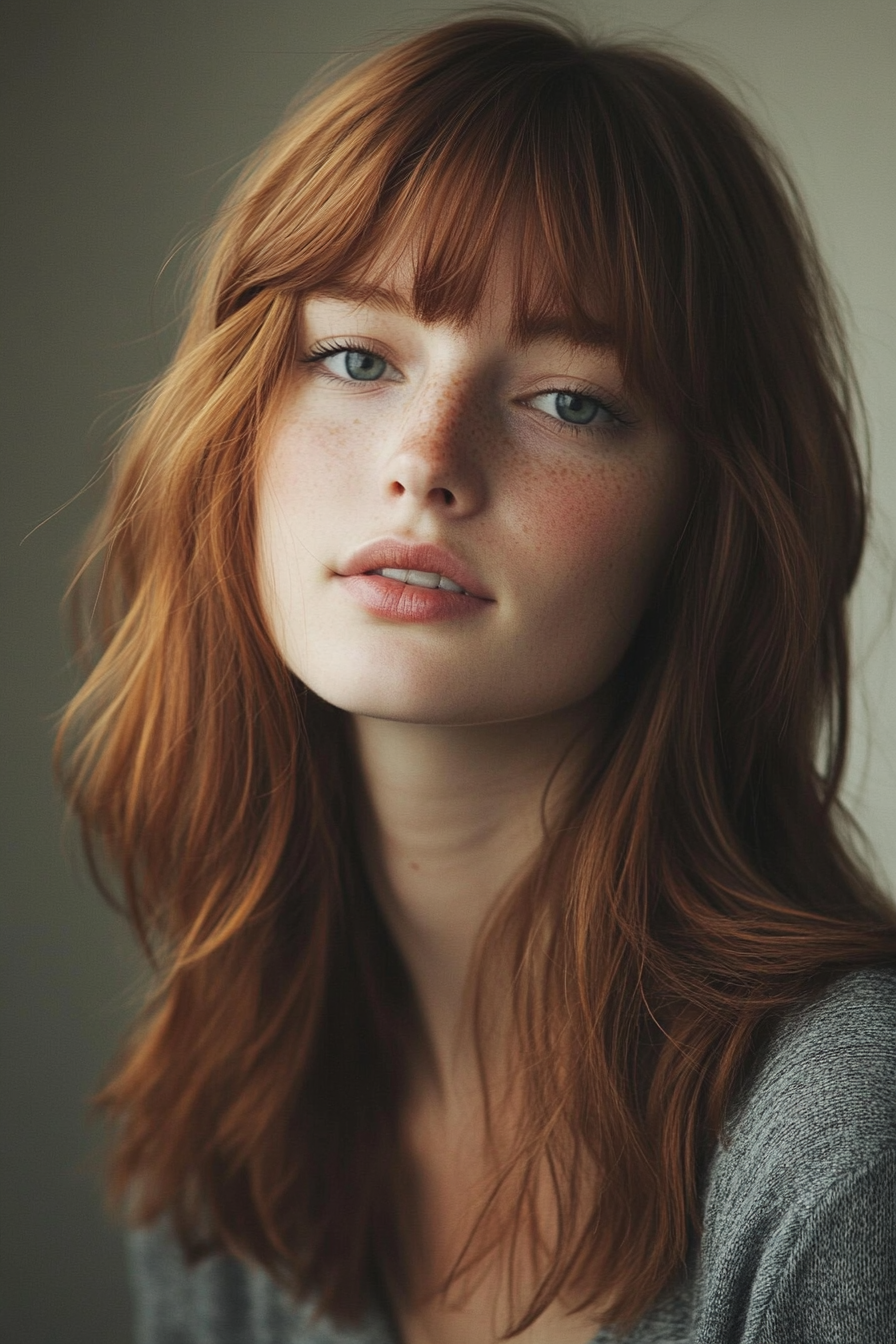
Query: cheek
(308,467)
(607,550)
(606,532)
(275,556)
(288,490)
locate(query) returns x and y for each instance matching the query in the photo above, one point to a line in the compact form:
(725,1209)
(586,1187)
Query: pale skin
(456,437)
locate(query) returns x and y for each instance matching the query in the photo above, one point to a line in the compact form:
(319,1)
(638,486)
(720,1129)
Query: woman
(466,728)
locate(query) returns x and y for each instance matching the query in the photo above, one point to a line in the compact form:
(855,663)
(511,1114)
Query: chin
(382,693)
(417,708)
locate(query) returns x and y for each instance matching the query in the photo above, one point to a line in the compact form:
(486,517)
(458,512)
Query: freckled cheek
(312,468)
(615,531)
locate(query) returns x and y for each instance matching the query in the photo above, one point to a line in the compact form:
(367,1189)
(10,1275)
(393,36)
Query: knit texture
(799,1236)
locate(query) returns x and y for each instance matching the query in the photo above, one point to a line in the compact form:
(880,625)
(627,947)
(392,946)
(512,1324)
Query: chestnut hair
(705,879)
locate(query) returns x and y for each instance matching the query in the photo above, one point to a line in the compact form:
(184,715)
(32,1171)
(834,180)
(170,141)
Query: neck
(452,816)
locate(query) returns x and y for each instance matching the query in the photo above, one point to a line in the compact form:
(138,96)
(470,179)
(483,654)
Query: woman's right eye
(352,364)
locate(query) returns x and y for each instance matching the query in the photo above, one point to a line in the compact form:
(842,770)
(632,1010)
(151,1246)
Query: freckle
(415,867)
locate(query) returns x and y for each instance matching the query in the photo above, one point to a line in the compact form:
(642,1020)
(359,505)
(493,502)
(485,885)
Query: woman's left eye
(574,408)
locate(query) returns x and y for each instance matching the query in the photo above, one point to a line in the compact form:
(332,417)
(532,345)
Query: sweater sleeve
(210,1305)
(223,1301)
(831,1274)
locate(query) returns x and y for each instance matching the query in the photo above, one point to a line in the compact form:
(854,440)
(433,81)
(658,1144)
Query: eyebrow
(532,328)
(599,335)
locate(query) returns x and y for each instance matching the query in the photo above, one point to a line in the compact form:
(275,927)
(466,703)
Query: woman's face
(523,474)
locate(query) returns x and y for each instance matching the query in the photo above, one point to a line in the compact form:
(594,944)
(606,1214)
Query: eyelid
(622,413)
(321,350)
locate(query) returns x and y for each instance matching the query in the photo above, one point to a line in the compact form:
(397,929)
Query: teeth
(421,578)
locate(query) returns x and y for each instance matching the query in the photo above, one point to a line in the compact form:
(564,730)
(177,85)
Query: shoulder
(221,1300)
(824,1091)
(799,1231)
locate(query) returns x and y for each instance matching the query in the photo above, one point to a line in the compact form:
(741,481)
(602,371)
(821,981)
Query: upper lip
(390,553)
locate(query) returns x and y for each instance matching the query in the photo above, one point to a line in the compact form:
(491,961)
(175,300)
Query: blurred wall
(125,121)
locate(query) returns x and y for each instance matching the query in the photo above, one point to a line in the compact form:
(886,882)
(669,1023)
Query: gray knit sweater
(799,1239)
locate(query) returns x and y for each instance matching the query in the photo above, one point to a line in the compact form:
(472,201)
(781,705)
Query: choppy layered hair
(704,880)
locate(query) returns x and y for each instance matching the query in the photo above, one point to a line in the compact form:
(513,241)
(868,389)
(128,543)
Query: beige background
(125,121)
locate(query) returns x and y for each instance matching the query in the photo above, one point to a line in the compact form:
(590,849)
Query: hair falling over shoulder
(704,881)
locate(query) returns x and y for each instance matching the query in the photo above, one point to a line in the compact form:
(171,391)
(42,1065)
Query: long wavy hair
(705,878)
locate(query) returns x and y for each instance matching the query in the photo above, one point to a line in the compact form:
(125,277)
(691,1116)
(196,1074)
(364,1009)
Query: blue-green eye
(574,408)
(363,365)
(350,363)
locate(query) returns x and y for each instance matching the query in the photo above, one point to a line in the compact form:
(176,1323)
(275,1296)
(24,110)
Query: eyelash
(621,414)
(325,349)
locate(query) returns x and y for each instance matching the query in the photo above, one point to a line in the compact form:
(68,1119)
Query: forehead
(506,294)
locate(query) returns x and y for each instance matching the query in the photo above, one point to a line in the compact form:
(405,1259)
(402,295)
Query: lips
(393,554)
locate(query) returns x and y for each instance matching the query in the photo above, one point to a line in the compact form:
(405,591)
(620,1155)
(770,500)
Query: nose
(438,460)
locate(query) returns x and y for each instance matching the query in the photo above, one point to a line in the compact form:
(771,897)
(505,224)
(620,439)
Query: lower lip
(406,602)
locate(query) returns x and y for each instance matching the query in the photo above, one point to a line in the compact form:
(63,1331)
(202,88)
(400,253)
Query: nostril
(438,493)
